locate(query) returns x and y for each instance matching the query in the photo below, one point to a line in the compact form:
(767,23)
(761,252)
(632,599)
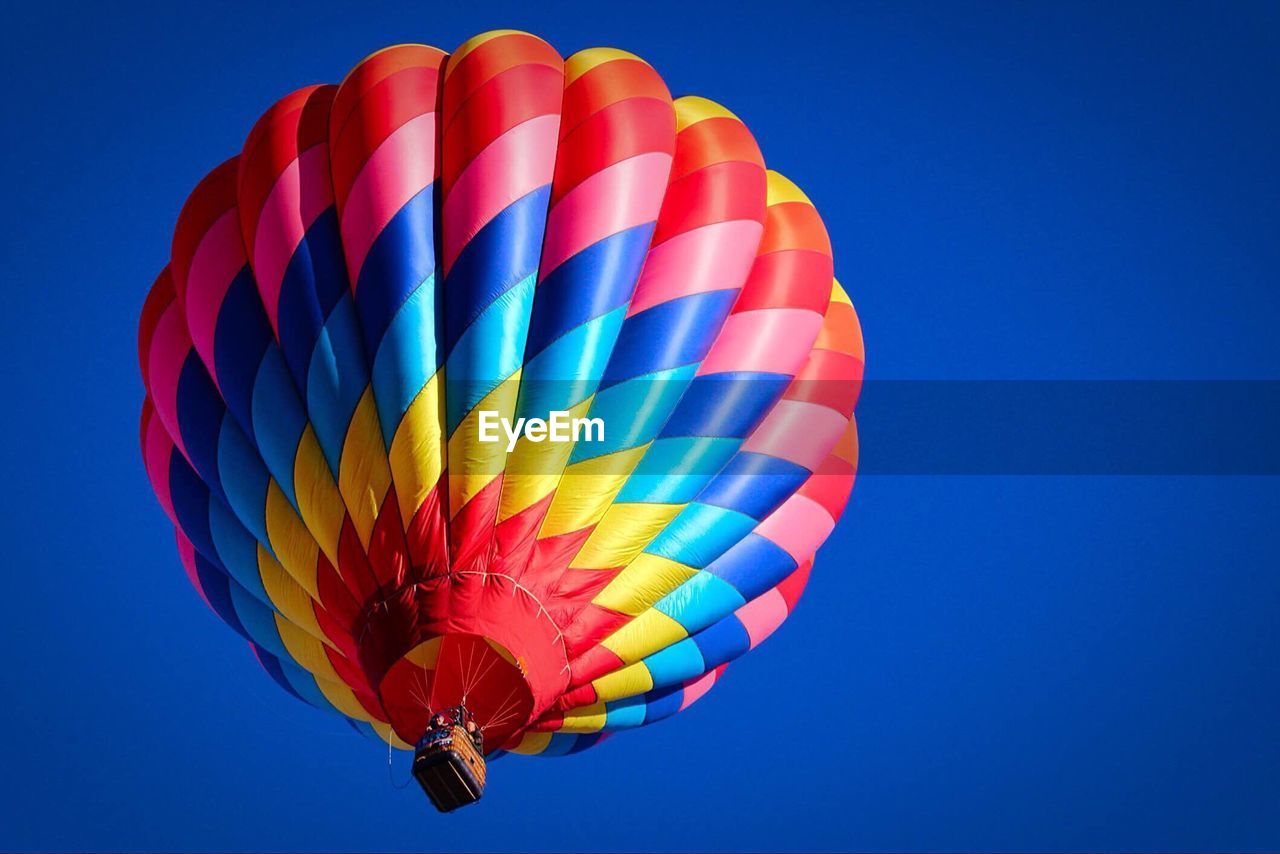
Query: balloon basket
(449,766)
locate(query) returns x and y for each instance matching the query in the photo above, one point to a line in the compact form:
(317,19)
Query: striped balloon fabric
(363,307)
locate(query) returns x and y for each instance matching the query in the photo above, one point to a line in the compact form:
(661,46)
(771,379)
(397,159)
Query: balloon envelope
(500,379)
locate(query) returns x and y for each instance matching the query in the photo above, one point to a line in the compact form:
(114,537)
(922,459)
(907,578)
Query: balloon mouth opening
(470,671)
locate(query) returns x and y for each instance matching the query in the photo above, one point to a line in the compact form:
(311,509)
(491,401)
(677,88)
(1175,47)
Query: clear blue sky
(1014,190)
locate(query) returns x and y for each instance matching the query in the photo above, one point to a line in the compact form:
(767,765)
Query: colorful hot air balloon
(444,243)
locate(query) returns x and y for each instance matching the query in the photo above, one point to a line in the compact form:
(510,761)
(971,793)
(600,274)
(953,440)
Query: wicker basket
(450,770)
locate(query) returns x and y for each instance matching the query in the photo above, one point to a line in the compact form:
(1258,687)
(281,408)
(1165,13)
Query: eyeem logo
(559,427)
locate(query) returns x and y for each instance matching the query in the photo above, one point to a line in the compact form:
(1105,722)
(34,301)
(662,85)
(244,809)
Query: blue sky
(1014,191)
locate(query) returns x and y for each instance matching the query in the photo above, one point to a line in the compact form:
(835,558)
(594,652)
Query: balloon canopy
(396,269)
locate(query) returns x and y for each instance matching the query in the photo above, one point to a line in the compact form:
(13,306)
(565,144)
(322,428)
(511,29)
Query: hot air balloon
(392,267)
